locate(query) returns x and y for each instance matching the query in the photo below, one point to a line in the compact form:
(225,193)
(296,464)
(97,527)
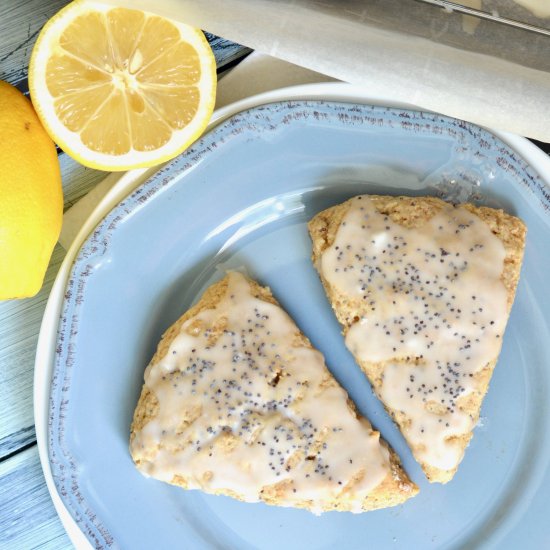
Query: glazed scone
(423,291)
(237,402)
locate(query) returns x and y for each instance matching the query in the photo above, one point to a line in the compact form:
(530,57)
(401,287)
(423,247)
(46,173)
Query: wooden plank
(27,516)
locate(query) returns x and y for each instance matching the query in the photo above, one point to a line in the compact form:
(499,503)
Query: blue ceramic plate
(241,197)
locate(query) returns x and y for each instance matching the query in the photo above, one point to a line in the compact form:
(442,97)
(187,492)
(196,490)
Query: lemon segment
(119,88)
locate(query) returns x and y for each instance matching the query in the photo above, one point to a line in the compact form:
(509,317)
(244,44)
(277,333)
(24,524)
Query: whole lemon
(31,196)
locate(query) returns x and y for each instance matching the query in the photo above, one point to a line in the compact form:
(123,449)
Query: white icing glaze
(267,399)
(436,312)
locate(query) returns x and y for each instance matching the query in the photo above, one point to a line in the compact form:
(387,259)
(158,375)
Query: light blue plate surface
(241,197)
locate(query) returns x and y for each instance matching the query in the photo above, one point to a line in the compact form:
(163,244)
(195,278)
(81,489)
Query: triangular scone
(237,402)
(423,291)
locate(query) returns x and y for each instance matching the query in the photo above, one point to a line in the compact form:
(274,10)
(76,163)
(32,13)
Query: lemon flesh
(118,88)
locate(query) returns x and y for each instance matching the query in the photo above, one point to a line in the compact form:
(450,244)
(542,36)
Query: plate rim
(45,353)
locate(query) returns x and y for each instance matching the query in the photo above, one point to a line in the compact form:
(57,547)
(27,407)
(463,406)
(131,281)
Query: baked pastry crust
(415,212)
(393,488)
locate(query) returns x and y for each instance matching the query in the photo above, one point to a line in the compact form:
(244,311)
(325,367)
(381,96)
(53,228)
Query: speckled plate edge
(523,152)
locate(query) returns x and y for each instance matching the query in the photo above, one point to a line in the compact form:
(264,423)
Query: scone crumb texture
(244,406)
(418,286)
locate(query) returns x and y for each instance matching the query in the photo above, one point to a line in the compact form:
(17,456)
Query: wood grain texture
(27,516)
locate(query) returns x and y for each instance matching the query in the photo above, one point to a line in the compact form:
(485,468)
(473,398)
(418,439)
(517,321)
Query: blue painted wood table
(27,516)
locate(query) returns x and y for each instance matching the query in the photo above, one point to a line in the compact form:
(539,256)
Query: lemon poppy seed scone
(237,402)
(423,290)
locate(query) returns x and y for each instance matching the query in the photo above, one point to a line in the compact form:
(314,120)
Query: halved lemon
(119,88)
